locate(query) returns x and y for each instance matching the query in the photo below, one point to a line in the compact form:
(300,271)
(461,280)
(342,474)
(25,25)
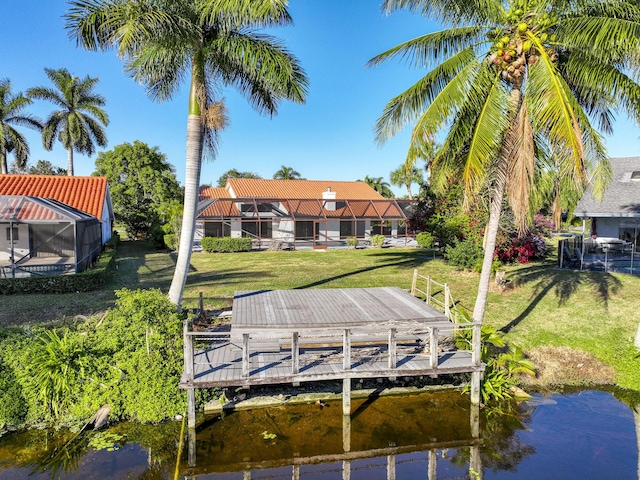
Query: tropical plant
(516,86)
(78,123)
(377,241)
(405,176)
(57,365)
(12,114)
(504,362)
(234,173)
(143,188)
(379,185)
(212,42)
(287,173)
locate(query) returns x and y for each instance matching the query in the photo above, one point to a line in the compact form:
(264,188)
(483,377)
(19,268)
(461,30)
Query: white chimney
(329,195)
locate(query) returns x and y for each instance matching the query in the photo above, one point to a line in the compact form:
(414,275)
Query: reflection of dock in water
(382,433)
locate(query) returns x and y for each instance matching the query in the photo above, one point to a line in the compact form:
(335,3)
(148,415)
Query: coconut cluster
(517,47)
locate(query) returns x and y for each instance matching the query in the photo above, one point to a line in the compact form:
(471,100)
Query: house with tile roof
(299,213)
(52,224)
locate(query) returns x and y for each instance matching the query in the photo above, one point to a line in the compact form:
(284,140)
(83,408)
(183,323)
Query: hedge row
(226,244)
(86,281)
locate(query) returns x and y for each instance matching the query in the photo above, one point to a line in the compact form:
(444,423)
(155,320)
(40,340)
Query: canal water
(581,435)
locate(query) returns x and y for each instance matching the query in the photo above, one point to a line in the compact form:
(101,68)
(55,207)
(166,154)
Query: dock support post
(475,357)
(392,348)
(475,388)
(245,354)
(433,346)
(346,349)
(346,396)
(191,452)
(295,353)
(414,282)
(447,301)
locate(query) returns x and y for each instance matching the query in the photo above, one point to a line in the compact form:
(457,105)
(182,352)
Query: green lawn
(591,311)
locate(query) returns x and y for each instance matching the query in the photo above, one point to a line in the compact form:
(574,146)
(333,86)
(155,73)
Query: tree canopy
(234,173)
(214,44)
(79,121)
(144,188)
(287,173)
(516,87)
(12,114)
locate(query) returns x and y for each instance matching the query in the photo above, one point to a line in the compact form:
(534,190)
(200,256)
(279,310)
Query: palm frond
(551,110)
(424,51)
(236,13)
(521,168)
(261,68)
(450,12)
(443,86)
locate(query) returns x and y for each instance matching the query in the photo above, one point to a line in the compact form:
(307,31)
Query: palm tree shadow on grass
(403,259)
(564,283)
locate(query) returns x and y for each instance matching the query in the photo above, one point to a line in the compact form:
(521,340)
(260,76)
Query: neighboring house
(311,213)
(617,216)
(52,224)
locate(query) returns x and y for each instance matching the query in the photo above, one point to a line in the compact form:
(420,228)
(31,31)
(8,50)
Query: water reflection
(587,434)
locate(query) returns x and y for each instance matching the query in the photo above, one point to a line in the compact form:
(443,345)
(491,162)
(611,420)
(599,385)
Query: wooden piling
(346,396)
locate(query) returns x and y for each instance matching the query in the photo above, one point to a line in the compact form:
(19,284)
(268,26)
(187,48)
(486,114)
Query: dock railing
(341,350)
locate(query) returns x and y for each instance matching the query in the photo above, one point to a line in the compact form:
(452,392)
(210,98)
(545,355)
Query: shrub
(226,244)
(465,254)
(171,241)
(377,240)
(425,240)
(352,242)
(521,250)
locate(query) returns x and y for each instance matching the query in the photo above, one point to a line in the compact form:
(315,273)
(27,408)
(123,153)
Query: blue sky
(328,138)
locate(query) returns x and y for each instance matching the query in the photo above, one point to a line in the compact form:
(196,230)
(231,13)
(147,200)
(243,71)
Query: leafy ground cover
(542,306)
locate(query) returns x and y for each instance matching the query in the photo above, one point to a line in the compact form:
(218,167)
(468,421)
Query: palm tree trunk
(70,161)
(408,185)
(499,188)
(490,244)
(195,136)
(3,163)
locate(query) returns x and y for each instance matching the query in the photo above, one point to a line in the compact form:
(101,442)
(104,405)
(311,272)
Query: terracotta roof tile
(211,192)
(83,193)
(257,187)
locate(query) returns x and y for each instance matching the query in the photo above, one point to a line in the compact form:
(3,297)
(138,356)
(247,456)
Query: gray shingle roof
(622,198)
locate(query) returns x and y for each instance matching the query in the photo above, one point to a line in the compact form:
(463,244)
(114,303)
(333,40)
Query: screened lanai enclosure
(305,223)
(45,237)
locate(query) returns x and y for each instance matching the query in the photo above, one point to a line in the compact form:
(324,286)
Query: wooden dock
(295,336)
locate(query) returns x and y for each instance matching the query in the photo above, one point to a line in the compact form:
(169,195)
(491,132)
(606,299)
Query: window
(381,228)
(250,229)
(635,175)
(346,228)
(217,229)
(9,233)
(304,230)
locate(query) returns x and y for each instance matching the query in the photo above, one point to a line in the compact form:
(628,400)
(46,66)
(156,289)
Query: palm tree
(379,185)
(78,124)
(287,173)
(211,42)
(12,113)
(511,82)
(406,175)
